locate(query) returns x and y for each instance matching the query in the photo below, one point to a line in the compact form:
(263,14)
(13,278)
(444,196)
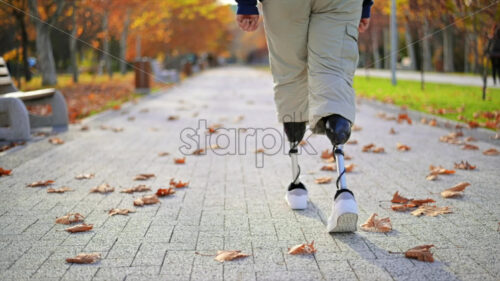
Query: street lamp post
(394,43)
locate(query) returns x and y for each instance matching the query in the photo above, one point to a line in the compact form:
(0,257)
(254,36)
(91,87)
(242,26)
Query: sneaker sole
(346,223)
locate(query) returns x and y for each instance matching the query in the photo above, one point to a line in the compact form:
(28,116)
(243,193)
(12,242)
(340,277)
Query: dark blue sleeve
(367,4)
(247,7)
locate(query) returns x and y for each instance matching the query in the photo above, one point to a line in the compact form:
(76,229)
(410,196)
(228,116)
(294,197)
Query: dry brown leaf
(41,183)
(139,188)
(421,253)
(117,130)
(469,146)
(143,177)
(84,128)
(401,207)
(70,218)
(5,172)
(103,188)
(392,131)
(180,160)
(329,167)
(124,212)
(404,116)
(378,150)
(491,152)
(352,142)
(419,202)
(439,170)
(173,117)
(55,140)
(323,180)
(59,190)
(349,168)
(178,184)
(368,147)
(455,191)
(327,154)
(356,128)
(84,176)
(260,150)
(162,192)
(162,154)
(85,258)
(431,177)
(302,249)
(402,147)
(214,146)
(470,139)
(464,166)
(377,225)
(229,255)
(80,228)
(146,200)
(198,151)
(433,123)
(396,198)
(431,210)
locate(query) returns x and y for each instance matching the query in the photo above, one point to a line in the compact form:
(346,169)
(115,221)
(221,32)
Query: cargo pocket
(350,53)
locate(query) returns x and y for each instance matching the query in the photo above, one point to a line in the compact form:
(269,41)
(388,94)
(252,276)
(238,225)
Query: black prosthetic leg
(295,132)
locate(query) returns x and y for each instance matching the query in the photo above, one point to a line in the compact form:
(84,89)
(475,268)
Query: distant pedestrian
(494,53)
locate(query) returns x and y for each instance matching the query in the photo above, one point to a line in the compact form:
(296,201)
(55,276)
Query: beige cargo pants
(313,52)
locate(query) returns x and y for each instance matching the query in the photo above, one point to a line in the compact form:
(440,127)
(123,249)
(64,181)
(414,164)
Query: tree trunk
(138,47)
(375,50)
(474,47)
(411,49)
(72,47)
(24,44)
(448,48)
(466,52)
(123,43)
(105,56)
(427,63)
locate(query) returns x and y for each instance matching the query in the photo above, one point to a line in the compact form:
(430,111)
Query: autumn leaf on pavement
(173,117)
(200,151)
(464,166)
(431,210)
(378,150)
(491,152)
(103,188)
(469,146)
(326,154)
(356,128)
(432,123)
(55,140)
(329,167)
(5,172)
(455,191)
(402,147)
(352,142)
(392,131)
(180,160)
(404,117)
(85,258)
(178,184)
(162,154)
(124,212)
(368,147)
(401,207)
(349,168)
(470,139)
(377,225)
(146,200)
(419,202)
(323,180)
(162,192)
(41,183)
(59,190)
(117,130)
(302,142)
(439,170)
(260,150)
(84,176)
(143,177)
(70,218)
(229,255)
(421,253)
(80,228)
(139,188)
(84,128)
(302,249)
(431,177)
(396,198)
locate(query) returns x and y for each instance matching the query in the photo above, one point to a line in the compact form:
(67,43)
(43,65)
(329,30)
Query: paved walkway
(232,204)
(441,78)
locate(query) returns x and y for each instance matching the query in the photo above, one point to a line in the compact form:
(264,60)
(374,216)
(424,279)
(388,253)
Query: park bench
(15,120)
(164,75)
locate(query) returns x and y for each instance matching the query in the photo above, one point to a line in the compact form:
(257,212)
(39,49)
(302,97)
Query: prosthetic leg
(296,195)
(344,216)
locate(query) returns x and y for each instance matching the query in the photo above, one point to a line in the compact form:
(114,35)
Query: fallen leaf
(491,152)
(402,147)
(469,146)
(396,198)
(349,168)
(162,192)
(439,170)
(229,255)
(404,117)
(124,212)
(84,176)
(214,146)
(85,258)
(327,154)
(139,188)
(392,131)
(401,207)
(55,140)
(377,225)
(70,218)
(84,128)
(352,142)
(180,160)
(421,253)
(329,167)
(59,190)
(178,184)
(323,180)
(41,183)
(173,117)
(431,210)
(143,177)
(103,188)
(470,139)
(260,150)
(117,130)
(302,249)
(431,177)
(5,172)
(455,191)
(302,142)
(433,123)
(199,151)
(162,154)
(419,202)
(356,128)
(146,200)
(80,228)
(378,150)
(464,166)
(368,147)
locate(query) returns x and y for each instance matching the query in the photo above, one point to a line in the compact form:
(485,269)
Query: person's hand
(248,23)
(363,24)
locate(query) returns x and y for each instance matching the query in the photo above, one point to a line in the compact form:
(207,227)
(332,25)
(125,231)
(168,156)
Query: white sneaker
(297,198)
(344,217)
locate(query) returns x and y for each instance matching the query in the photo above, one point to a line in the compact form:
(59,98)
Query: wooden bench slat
(30,95)
(5,80)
